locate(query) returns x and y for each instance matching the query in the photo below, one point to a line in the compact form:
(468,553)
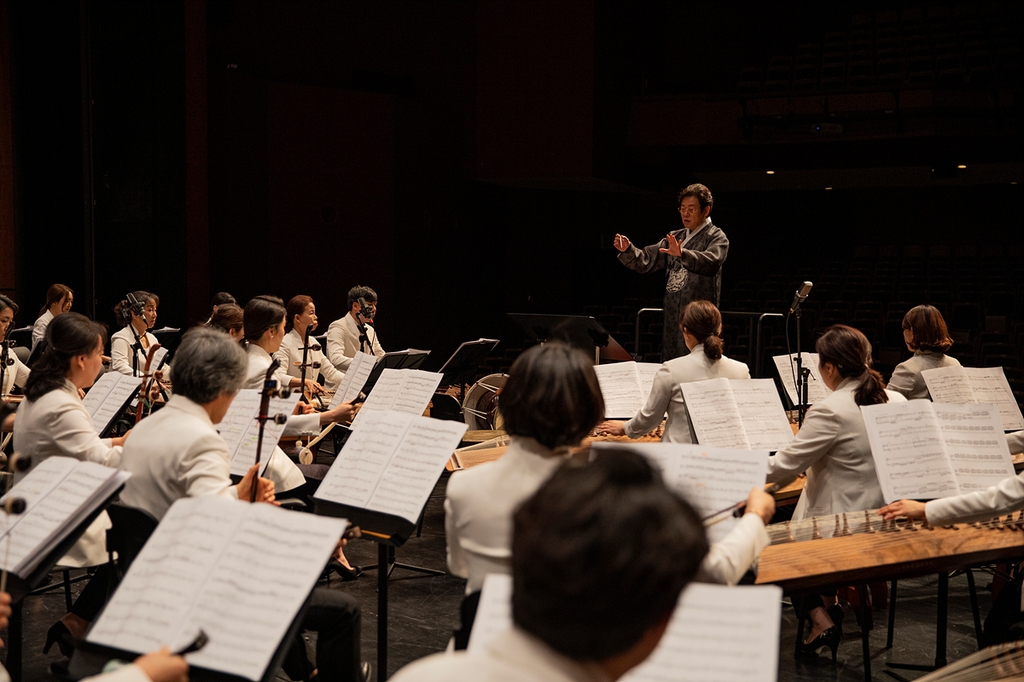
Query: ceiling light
(961,166)
(770,172)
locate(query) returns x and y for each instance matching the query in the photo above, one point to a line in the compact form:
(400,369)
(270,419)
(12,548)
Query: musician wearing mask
(130,346)
(59,299)
(12,369)
(692,258)
(926,336)
(301,317)
(550,402)
(832,448)
(354,332)
(701,325)
(591,595)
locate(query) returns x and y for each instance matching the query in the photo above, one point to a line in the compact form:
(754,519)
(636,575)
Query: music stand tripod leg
(862,593)
(383,553)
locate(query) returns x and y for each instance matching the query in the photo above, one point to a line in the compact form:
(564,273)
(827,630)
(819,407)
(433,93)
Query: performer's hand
(908,508)
(674,248)
(81,394)
(612,428)
(341,413)
(303,408)
(621,242)
(163,666)
(761,503)
(313,388)
(121,439)
(264,488)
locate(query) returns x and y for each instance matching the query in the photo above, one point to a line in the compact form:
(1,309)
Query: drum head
(481,398)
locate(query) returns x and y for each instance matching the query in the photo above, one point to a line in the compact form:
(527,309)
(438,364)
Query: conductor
(692,258)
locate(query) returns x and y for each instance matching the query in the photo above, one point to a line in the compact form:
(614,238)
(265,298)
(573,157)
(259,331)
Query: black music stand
(399,359)
(19,587)
(580,331)
(388,531)
(21,335)
(464,363)
(89,658)
(120,413)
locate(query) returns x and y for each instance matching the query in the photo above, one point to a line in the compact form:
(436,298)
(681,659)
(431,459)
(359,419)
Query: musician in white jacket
(128,355)
(354,332)
(300,316)
(926,336)
(832,447)
(14,371)
(701,324)
(59,299)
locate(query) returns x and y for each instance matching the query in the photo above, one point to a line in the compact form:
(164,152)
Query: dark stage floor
(424,609)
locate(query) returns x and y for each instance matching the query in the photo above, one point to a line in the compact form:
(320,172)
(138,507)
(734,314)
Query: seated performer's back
(592,596)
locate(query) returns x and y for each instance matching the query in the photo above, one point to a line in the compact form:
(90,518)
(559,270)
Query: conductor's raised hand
(903,508)
(674,247)
(163,666)
(621,242)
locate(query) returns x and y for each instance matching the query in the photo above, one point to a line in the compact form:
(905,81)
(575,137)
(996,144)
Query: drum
(480,408)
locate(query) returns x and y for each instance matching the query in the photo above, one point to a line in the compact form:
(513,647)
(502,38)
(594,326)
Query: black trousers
(336,618)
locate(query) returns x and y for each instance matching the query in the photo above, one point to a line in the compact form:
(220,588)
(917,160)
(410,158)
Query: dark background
(469,159)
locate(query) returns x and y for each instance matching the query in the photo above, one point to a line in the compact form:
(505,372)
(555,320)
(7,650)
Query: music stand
(579,331)
(464,363)
(19,587)
(388,531)
(399,359)
(17,334)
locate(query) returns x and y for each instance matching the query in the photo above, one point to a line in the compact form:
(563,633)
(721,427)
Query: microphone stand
(4,360)
(136,347)
(802,373)
(305,360)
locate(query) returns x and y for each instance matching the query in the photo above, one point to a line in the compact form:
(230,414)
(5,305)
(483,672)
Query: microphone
(799,296)
(365,311)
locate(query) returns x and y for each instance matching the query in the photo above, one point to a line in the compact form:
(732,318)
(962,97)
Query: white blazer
(280,468)
(121,343)
(175,453)
(57,425)
(907,379)
(1005,497)
(666,396)
(833,448)
(343,342)
(14,375)
(290,354)
(480,503)
(512,656)
(39,328)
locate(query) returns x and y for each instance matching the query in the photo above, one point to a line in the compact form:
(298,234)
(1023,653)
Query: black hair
(600,554)
(262,313)
(360,292)
(67,336)
(849,351)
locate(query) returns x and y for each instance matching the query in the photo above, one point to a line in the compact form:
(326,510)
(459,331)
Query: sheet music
(646,370)
(948,385)
(401,390)
(713,414)
(709,478)
(56,500)
(238,571)
(354,380)
(978,453)
(990,387)
(620,387)
(240,427)
(494,613)
(158,358)
(108,396)
(702,635)
(391,462)
(760,408)
(816,388)
(909,452)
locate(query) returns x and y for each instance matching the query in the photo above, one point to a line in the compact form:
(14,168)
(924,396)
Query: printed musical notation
(239,572)
(701,637)
(621,389)
(240,427)
(925,450)
(985,385)
(735,413)
(391,462)
(709,478)
(355,378)
(108,396)
(400,390)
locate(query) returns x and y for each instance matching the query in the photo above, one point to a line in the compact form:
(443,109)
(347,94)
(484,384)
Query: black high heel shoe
(60,635)
(830,638)
(344,572)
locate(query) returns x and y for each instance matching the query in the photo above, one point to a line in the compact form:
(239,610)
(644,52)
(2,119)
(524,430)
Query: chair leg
(890,630)
(974,609)
(67,588)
